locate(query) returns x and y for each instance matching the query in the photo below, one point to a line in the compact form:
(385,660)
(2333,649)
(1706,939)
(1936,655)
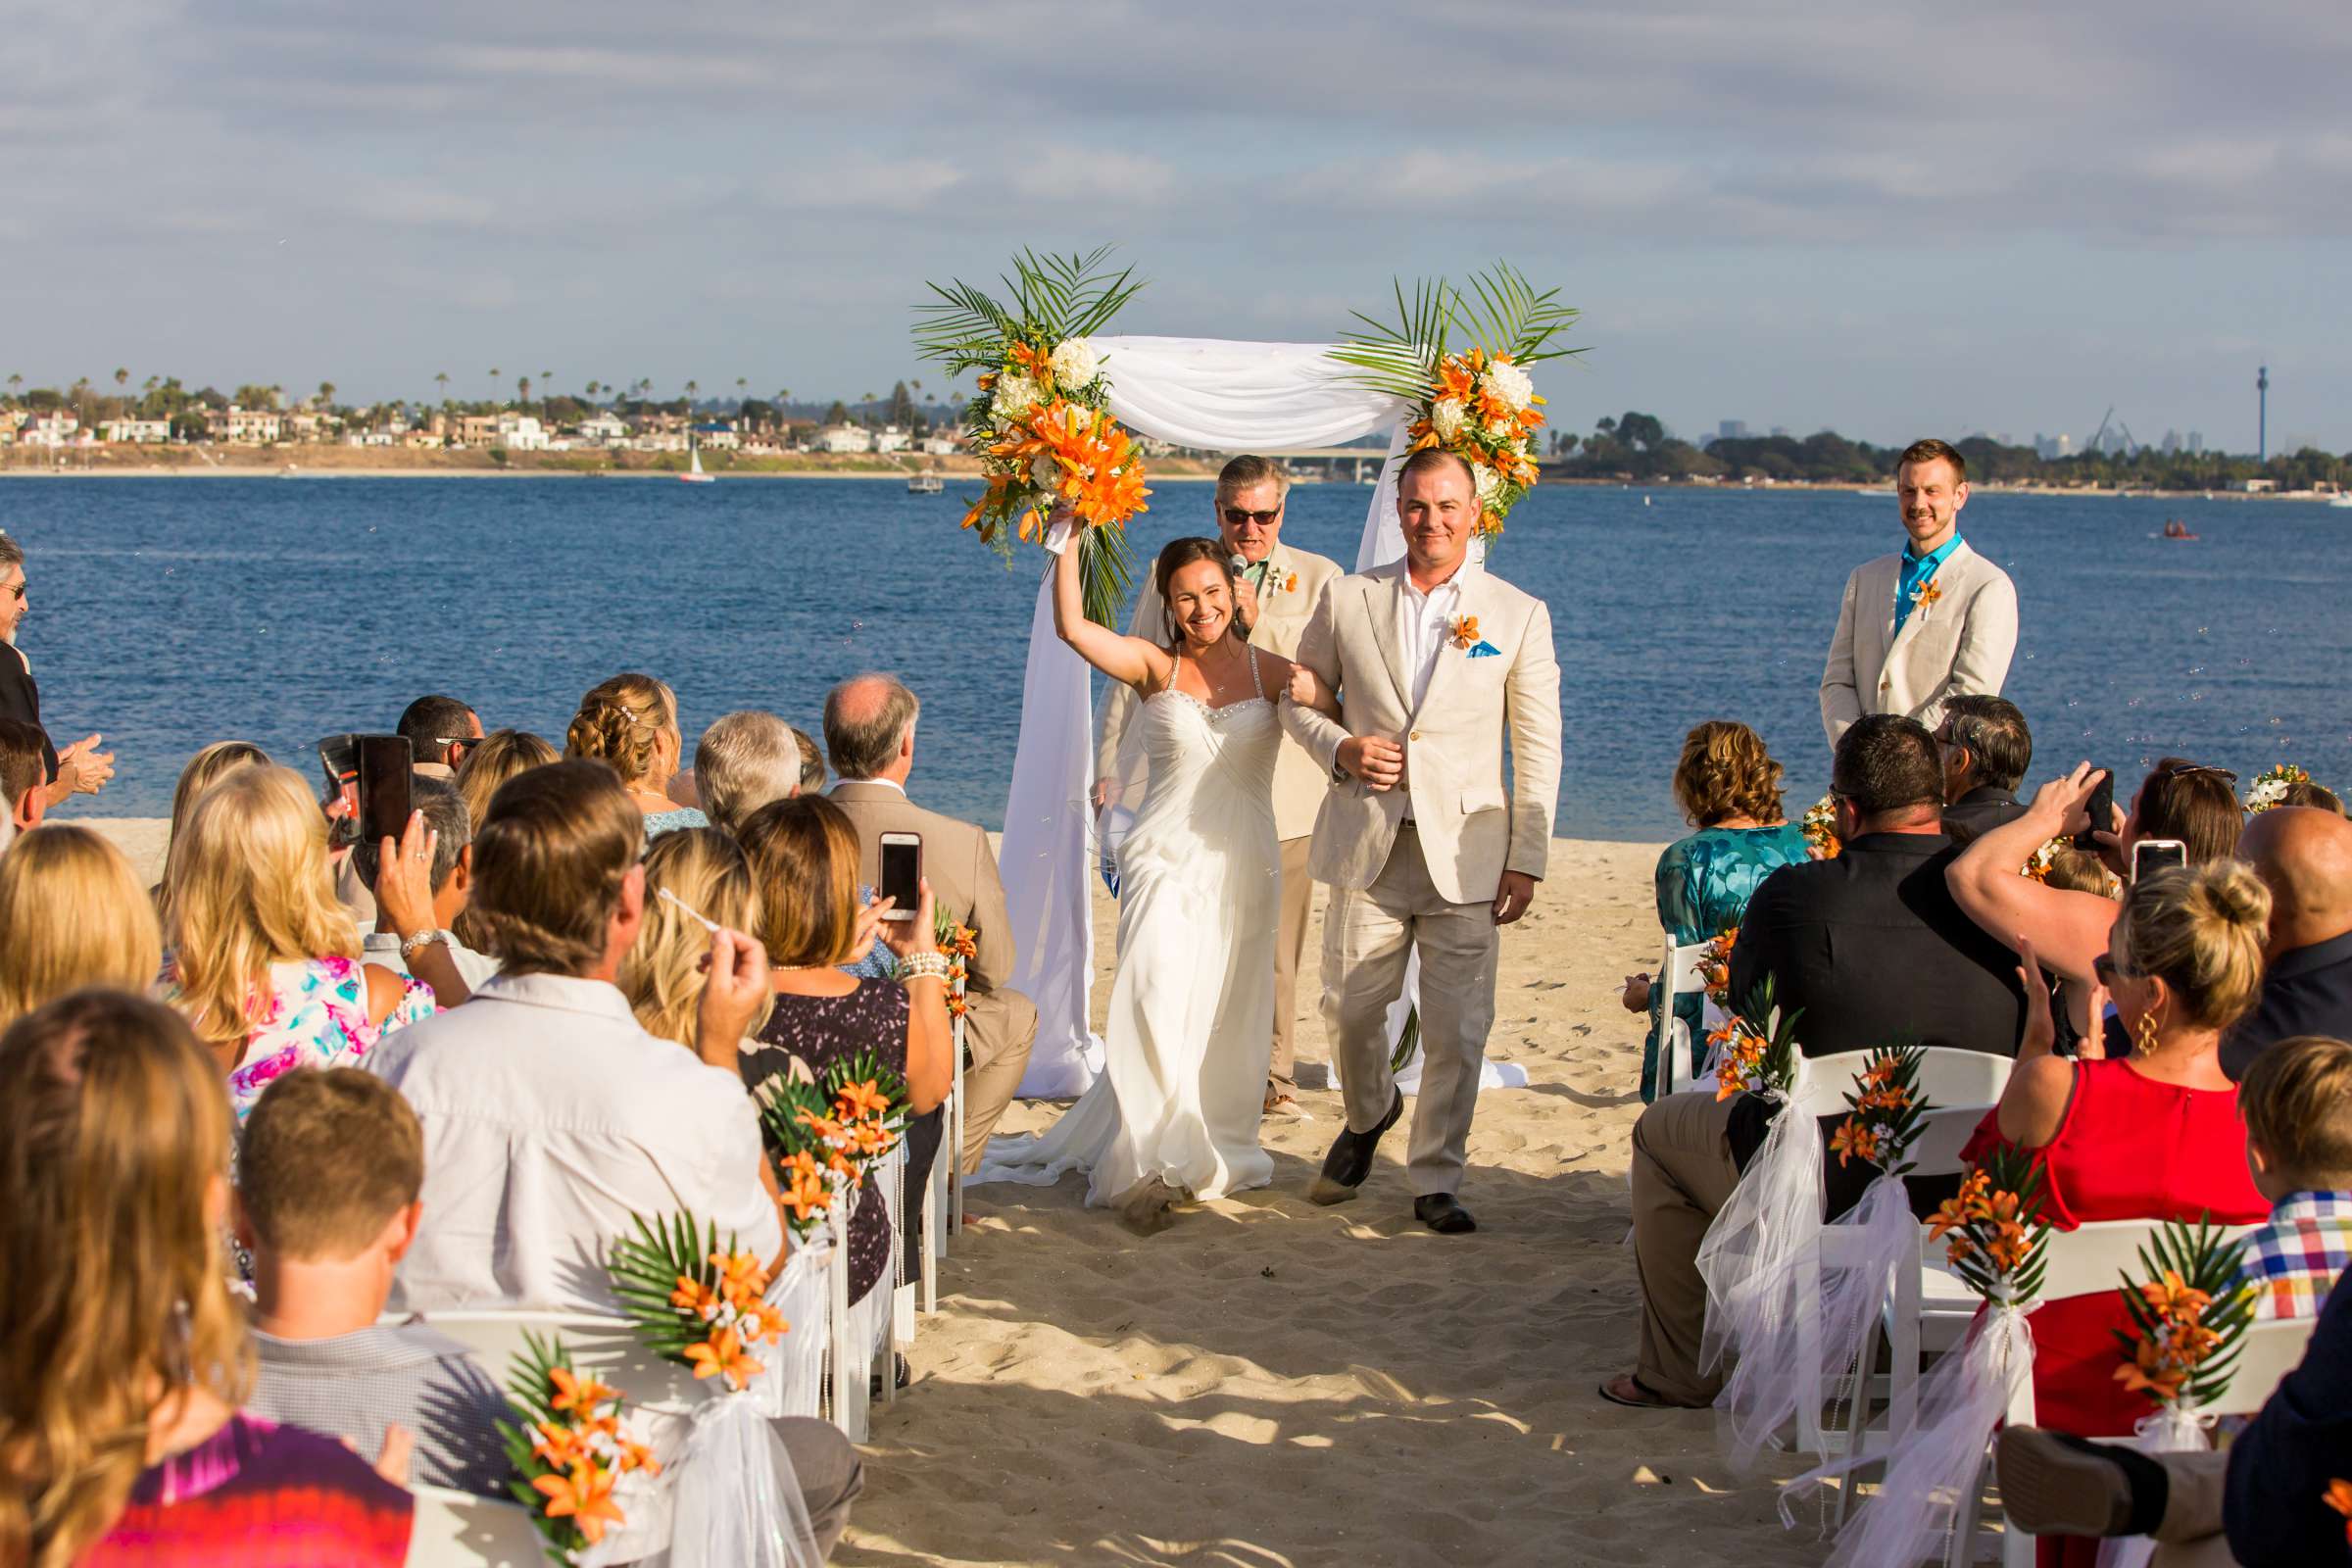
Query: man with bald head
(2304,855)
(869,737)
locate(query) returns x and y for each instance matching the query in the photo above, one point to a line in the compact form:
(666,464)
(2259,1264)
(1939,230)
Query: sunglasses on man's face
(464,742)
(1236,517)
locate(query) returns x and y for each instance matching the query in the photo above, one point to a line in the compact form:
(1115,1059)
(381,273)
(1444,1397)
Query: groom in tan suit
(1273,597)
(1436,665)
(1936,621)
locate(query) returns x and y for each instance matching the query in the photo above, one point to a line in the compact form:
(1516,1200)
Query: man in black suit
(1873,950)
(80,768)
(1986,750)
(2304,855)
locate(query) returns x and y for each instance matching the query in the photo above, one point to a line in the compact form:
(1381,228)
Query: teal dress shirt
(1917,572)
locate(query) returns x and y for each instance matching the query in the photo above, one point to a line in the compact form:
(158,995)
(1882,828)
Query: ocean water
(167,612)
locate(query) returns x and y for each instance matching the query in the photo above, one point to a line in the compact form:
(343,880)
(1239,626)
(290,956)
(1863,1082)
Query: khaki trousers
(998,1032)
(2189,1536)
(1683,1174)
(1290,945)
(1366,938)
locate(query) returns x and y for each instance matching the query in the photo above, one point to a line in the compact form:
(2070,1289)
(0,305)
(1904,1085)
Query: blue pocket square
(1485,650)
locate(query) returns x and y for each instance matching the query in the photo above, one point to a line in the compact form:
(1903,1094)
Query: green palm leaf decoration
(2190,1309)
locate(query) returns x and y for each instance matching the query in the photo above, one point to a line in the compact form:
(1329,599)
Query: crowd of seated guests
(442,1072)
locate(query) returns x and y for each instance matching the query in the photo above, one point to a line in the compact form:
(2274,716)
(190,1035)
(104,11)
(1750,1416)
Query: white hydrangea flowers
(1075,365)
(1509,383)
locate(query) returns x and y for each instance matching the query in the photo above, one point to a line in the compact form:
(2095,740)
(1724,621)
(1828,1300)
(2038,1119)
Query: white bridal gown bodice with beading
(1192,1004)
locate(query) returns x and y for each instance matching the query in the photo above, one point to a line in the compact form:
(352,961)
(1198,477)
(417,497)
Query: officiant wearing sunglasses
(1275,590)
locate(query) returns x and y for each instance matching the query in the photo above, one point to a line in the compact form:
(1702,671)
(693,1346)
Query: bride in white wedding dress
(1191,1003)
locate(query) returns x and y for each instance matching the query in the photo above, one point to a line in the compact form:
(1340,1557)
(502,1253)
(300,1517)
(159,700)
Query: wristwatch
(410,945)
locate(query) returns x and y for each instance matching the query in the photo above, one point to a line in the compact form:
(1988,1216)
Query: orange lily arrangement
(1820,828)
(696,1300)
(959,944)
(2188,1311)
(824,1137)
(1994,1232)
(1753,1058)
(571,1460)
(1715,964)
(1884,1111)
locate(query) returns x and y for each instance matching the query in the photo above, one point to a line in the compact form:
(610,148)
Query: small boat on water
(2175,528)
(2342,501)
(926,484)
(693,473)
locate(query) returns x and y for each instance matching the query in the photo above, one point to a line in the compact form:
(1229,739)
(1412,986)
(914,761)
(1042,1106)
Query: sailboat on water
(693,473)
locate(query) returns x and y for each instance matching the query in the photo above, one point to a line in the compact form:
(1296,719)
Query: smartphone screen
(2151,856)
(901,874)
(2102,811)
(387,763)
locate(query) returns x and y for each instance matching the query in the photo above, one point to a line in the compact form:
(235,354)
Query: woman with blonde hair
(631,722)
(804,859)
(2155,1135)
(71,914)
(122,1359)
(263,961)
(203,771)
(1728,788)
(694,875)
(497,757)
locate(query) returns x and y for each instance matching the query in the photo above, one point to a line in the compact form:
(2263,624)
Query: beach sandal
(1630,1390)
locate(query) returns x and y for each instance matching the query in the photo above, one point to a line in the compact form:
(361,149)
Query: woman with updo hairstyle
(71,914)
(2153,1135)
(630,722)
(1728,788)
(123,1357)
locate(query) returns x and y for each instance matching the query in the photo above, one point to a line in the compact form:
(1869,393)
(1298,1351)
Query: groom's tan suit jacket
(1962,642)
(1472,828)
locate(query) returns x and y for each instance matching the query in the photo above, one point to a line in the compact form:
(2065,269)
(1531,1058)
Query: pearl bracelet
(923,966)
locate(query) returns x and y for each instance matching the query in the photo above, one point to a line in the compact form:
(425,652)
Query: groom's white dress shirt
(550,1117)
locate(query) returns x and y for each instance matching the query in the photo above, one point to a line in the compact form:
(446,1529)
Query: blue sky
(1871,215)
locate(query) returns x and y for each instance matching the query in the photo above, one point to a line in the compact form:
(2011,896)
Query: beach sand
(1267,1384)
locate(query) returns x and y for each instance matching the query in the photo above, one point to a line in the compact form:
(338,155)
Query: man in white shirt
(552,1119)
(444,811)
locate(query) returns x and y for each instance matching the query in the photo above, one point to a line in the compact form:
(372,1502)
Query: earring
(2147,1042)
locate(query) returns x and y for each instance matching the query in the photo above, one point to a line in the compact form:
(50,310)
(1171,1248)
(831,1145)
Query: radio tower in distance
(2262,414)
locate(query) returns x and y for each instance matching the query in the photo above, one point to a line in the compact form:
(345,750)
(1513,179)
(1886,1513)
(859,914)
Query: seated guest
(1986,750)
(631,723)
(264,962)
(696,872)
(744,760)
(1872,950)
(441,730)
(327,1201)
(2264,1502)
(71,914)
(870,732)
(2303,792)
(497,757)
(2304,856)
(2153,1135)
(2297,1102)
(205,769)
(812,762)
(2068,929)
(452,871)
(120,1440)
(1728,788)
(549,1116)
(23,771)
(804,857)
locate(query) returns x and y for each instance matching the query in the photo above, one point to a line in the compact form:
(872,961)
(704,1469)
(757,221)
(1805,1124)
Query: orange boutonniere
(1289,584)
(1464,631)
(1925,595)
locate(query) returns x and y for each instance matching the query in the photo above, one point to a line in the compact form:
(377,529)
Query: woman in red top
(2152,1136)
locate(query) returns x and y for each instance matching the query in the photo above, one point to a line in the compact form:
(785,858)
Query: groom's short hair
(1429,458)
(1249,469)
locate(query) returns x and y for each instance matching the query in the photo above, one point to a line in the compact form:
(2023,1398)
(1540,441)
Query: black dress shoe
(1350,1160)
(1440,1213)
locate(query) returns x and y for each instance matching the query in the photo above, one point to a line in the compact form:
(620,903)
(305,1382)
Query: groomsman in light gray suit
(1929,624)
(1438,664)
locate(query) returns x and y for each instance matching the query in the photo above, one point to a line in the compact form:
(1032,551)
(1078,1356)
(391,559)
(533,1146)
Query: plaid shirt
(2293,1260)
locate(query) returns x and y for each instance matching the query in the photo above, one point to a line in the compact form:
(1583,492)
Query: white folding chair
(2092,1260)
(1679,976)
(848,1360)
(956,1131)
(608,1346)
(459,1530)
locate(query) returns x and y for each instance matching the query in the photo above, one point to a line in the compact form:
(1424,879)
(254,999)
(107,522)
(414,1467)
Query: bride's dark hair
(1178,555)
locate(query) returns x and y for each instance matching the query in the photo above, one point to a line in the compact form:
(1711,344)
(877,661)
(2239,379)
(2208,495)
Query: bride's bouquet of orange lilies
(573,1464)
(1459,359)
(694,1300)
(825,1137)
(1041,424)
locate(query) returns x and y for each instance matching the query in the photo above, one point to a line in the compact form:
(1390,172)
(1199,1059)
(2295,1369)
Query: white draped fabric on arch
(1204,393)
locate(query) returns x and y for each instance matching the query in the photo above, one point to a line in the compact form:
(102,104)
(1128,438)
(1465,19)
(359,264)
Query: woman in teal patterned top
(1729,788)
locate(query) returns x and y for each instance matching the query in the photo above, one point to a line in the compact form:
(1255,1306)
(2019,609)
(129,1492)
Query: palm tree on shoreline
(441,380)
(494,374)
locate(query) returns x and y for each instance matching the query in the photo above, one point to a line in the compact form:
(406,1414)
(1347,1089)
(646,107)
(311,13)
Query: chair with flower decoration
(1680,974)
(608,1346)
(459,1530)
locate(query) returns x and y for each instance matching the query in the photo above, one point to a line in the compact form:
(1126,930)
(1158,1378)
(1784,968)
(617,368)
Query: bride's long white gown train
(1192,1004)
